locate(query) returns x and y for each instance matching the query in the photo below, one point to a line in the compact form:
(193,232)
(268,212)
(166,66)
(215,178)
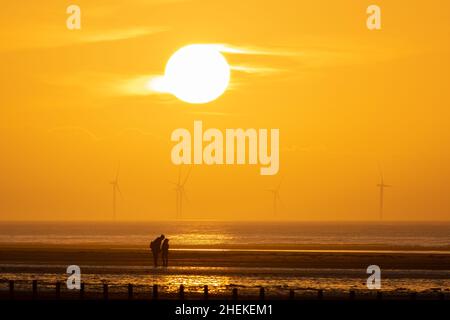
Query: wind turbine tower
(382,185)
(276,198)
(181,192)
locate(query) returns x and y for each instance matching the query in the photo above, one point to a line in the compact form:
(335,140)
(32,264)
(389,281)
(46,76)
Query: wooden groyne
(154,292)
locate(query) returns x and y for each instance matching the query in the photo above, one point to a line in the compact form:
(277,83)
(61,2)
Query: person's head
(162,237)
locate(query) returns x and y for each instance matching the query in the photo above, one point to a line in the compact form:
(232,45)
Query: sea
(218,234)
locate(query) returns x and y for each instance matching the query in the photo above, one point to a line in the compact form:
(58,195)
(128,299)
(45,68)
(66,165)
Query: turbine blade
(187,176)
(280,201)
(184,193)
(279,184)
(380,171)
(118,189)
(117,172)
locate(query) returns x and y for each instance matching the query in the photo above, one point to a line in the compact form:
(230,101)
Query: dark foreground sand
(98,256)
(102,260)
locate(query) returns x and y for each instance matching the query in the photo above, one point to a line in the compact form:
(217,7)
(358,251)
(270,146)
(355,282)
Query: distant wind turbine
(276,197)
(382,185)
(116,188)
(181,192)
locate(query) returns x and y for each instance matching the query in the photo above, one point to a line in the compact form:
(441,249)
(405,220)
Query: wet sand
(244,268)
(239,258)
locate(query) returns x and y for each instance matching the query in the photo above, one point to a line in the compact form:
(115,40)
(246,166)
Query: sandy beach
(306,272)
(304,257)
(267,258)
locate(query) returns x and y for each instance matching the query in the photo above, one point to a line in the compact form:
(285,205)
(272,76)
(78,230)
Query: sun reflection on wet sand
(248,283)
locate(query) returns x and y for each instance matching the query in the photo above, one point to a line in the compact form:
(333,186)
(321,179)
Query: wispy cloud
(54,37)
(77,130)
(141,85)
(306,56)
(254,50)
(120,34)
(256,69)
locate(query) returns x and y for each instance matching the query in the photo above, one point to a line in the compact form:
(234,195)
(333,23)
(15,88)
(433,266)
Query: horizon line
(226,220)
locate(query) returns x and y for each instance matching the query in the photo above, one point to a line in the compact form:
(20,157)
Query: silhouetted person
(155,246)
(165,252)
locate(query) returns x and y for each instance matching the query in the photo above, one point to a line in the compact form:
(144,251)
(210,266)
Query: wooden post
(155,291)
(130,291)
(320,294)
(261,293)
(205,292)
(291,294)
(11,289)
(352,295)
(235,294)
(58,289)
(181,292)
(379,295)
(105,291)
(82,290)
(35,290)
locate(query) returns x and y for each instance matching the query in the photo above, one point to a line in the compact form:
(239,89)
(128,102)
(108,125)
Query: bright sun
(197,73)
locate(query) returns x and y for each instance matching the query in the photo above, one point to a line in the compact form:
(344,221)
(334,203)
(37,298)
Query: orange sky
(343,97)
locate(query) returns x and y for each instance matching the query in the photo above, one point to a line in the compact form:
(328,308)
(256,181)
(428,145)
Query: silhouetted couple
(160,244)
